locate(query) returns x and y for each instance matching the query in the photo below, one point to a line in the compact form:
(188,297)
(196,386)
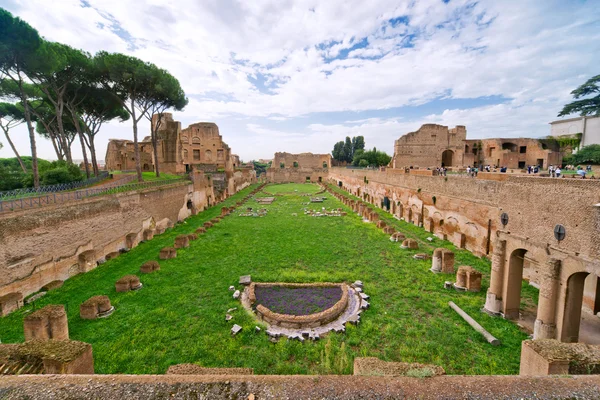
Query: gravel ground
(295,387)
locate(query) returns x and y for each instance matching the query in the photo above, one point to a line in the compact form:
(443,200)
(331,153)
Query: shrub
(55,176)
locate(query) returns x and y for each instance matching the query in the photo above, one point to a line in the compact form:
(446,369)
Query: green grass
(179,314)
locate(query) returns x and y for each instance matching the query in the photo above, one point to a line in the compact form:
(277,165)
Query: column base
(493,306)
(542,330)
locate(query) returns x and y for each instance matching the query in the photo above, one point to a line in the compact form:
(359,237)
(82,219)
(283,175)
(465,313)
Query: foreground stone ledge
(194,369)
(296,387)
(373,366)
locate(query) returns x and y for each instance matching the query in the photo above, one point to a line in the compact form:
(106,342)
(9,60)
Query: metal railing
(61,187)
(63,197)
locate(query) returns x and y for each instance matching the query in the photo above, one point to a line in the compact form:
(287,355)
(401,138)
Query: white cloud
(533,53)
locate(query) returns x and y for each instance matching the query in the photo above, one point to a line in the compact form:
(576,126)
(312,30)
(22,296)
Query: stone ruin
(149,266)
(127,283)
(265,200)
(182,241)
(46,357)
(201,230)
(397,237)
(389,230)
(194,369)
(372,366)
(442,261)
(208,225)
(52,285)
(47,323)
(336,212)
(10,303)
(192,236)
(421,256)
(410,244)
(468,278)
(96,307)
(551,357)
(381,224)
(167,253)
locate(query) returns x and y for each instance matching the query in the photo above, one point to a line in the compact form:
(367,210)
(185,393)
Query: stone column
(493,301)
(545,324)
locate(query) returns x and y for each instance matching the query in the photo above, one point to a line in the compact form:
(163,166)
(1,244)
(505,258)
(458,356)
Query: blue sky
(301,75)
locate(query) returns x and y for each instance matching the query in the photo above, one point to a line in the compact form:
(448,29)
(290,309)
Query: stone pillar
(493,301)
(436,260)
(545,323)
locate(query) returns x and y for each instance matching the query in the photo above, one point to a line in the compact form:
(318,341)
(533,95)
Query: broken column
(436,260)
(545,323)
(167,253)
(493,301)
(182,241)
(10,303)
(468,278)
(47,323)
(127,283)
(149,267)
(410,244)
(447,262)
(95,307)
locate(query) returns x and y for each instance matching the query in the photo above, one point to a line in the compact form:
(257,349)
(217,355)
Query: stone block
(10,303)
(410,244)
(381,224)
(167,253)
(95,307)
(49,357)
(148,234)
(149,266)
(208,225)
(200,230)
(182,241)
(447,261)
(245,280)
(468,278)
(47,323)
(372,366)
(127,283)
(192,236)
(194,369)
(551,357)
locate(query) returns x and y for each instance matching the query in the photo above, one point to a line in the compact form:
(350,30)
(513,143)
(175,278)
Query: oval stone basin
(301,300)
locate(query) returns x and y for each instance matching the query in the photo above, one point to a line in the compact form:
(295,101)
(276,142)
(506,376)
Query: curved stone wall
(300,321)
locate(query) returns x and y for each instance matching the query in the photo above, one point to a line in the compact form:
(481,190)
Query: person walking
(557,172)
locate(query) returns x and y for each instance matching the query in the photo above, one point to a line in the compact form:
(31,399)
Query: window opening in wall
(308,179)
(324,165)
(320,179)
(295,164)
(523,149)
(281,165)
(196,154)
(490,150)
(521,164)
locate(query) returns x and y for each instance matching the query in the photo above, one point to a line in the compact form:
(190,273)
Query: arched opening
(514,280)
(195,140)
(573,303)
(146,167)
(447,156)
(409,216)
(512,147)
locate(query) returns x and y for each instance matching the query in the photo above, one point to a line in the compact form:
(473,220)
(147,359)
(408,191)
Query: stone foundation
(551,357)
(95,307)
(127,283)
(194,369)
(149,266)
(47,357)
(372,366)
(167,253)
(410,244)
(182,241)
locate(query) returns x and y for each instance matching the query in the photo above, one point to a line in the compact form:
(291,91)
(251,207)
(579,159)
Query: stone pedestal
(149,267)
(95,307)
(182,241)
(127,283)
(167,253)
(447,261)
(47,323)
(436,260)
(410,244)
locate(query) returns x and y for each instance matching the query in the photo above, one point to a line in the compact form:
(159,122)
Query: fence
(63,197)
(26,192)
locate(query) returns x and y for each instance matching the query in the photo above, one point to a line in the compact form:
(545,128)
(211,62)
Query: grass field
(179,314)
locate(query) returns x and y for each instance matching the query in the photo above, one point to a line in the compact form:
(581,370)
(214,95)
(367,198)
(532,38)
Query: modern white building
(589,127)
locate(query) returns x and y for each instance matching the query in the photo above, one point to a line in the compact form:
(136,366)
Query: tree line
(352,151)
(66,94)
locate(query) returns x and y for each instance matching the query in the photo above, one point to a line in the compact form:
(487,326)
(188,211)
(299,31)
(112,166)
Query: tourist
(557,172)
(469,170)
(551,171)
(581,172)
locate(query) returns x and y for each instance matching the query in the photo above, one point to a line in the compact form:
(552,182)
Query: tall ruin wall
(473,206)
(38,246)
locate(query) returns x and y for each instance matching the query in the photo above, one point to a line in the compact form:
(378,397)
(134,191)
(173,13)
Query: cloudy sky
(285,75)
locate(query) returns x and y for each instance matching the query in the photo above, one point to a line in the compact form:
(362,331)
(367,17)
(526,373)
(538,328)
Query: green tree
(135,84)
(338,150)
(588,155)
(19,46)
(97,107)
(584,105)
(348,153)
(12,115)
(358,143)
(167,94)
